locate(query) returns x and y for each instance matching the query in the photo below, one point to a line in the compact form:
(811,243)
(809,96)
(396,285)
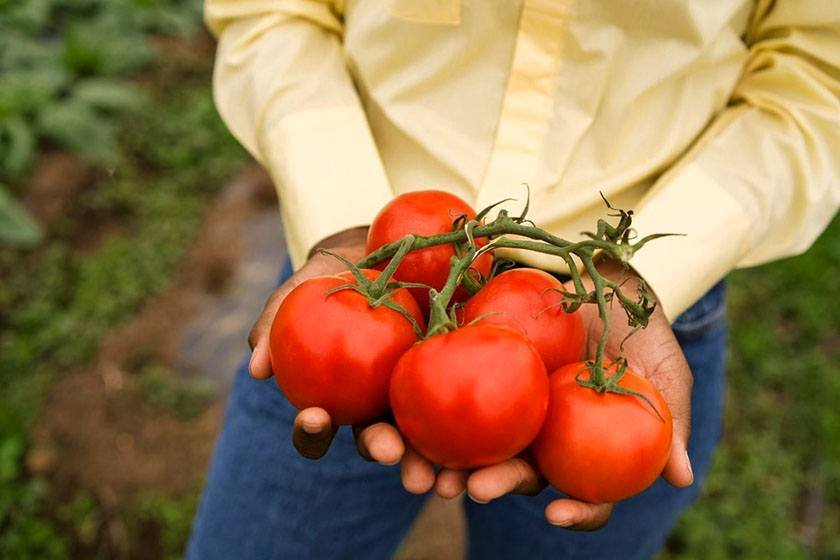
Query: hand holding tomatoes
(653,353)
(313,428)
(455,399)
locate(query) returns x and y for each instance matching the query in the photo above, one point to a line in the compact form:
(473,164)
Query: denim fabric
(263,501)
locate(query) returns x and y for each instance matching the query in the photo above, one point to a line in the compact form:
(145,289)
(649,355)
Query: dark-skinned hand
(653,353)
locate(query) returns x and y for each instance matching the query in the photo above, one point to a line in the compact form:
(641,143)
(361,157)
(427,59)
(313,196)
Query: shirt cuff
(328,174)
(716,237)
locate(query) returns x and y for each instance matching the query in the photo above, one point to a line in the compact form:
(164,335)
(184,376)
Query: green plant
(16,226)
(162,522)
(184,399)
(84,516)
(24,534)
(167,152)
(64,65)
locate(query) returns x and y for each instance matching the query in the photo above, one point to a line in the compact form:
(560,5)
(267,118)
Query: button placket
(528,102)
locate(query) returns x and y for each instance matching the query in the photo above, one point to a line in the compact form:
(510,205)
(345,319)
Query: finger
(313,432)
(450,483)
(578,516)
(380,442)
(675,381)
(418,475)
(515,476)
(678,471)
(260,365)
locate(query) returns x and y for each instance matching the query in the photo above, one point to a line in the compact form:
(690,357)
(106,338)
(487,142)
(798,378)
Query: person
(717,120)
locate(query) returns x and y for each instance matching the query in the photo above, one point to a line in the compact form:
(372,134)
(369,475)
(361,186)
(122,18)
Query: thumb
(674,379)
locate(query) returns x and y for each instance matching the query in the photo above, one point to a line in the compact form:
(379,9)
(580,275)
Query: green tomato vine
(615,241)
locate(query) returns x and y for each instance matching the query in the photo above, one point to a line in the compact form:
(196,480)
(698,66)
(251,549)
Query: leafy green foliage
(24,533)
(70,78)
(166,519)
(64,65)
(16,227)
(85,517)
(184,399)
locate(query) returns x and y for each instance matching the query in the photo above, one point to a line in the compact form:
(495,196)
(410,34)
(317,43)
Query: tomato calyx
(379,292)
(600,382)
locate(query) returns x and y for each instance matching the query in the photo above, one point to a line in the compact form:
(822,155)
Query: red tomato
(524,298)
(602,447)
(424,213)
(472,397)
(335,351)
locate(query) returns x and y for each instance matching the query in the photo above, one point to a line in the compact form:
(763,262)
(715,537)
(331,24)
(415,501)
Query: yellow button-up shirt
(719,119)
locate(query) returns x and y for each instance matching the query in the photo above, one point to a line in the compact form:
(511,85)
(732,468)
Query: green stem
(439,318)
(505,232)
(380,285)
(506,226)
(597,369)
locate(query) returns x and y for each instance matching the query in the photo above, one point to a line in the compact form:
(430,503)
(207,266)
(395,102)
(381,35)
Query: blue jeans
(264,501)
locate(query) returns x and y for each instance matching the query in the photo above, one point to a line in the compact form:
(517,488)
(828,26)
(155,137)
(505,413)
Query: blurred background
(137,243)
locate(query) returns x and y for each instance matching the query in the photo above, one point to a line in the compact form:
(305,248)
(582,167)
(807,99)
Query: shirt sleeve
(282,87)
(764,179)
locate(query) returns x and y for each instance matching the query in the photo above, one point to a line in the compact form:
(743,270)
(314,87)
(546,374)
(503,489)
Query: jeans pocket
(706,315)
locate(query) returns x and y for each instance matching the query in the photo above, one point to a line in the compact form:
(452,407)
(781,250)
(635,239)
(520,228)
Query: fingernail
(251,362)
(477,501)
(453,497)
(688,463)
(312,428)
(563,523)
(391,463)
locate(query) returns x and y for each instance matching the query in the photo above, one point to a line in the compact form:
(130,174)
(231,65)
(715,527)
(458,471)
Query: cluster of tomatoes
(505,381)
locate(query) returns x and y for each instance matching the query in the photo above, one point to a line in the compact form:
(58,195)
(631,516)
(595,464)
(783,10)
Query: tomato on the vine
(527,299)
(337,352)
(427,212)
(471,397)
(602,447)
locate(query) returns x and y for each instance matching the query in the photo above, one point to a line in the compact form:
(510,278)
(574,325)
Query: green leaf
(22,51)
(78,127)
(109,95)
(16,227)
(17,146)
(101,46)
(25,92)
(30,15)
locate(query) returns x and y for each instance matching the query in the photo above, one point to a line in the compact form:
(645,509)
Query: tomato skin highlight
(525,299)
(602,447)
(427,212)
(336,352)
(472,397)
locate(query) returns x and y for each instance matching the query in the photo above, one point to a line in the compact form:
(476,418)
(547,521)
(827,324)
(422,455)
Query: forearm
(349,243)
(763,180)
(283,88)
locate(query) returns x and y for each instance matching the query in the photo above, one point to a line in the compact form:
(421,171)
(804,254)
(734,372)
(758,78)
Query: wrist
(627,277)
(349,243)
(615,270)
